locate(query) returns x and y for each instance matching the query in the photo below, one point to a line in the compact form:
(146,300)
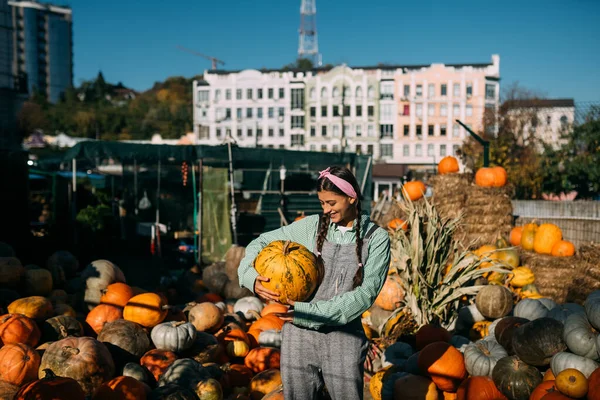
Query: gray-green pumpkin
(175,336)
(482,356)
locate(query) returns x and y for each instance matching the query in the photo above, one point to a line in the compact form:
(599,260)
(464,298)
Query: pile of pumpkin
(535,350)
(543,239)
(128,343)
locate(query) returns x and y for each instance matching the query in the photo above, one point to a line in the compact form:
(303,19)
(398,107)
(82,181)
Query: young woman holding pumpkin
(325,343)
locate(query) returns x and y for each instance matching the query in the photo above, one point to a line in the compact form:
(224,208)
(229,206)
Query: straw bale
(476,221)
(505,191)
(495,208)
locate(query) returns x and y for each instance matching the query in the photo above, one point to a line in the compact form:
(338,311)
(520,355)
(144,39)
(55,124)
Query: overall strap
(370,232)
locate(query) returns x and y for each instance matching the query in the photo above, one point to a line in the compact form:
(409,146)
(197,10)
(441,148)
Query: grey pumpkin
(535,342)
(580,337)
(592,308)
(481,357)
(175,336)
(530,309)
(184,372)
(270,338)
(562,311)
(564,360)
(139,372)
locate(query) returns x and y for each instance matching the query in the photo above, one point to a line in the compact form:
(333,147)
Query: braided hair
(325,184)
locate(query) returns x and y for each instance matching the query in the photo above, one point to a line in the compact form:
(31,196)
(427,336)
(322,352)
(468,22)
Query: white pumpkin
(270,338)
(246,305)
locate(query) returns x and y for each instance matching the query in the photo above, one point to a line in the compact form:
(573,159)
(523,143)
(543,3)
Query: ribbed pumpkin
(60,327)
(17,328)
(515,236)
(157,361)
(414,190)
(444,364)
(514,378)
(494,301)
(546,237)
(35,307)
(38,282)
(547,386)
(101,315)
(505,330)
(563,248)
(594,385)
(448,165)
(117,294)
(126,341)
(51,387)
(206,317)
(122,388)
(264,382)
(274,308)
(391,294)
(536,342)
(521,276)
(479,388)
(19,363)
(146,309)
(292,269)
(262,358)
(500,176)
(528,236)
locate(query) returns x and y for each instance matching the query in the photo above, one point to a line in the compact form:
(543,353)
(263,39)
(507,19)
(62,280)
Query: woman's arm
(303,232)
(350,305)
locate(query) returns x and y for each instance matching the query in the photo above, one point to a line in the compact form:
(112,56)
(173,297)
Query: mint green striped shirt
(342,308)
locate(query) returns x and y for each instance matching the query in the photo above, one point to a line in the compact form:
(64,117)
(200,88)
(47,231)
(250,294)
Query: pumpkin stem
(49,374)
(189,306)
(177,323)
(286,246)
(254,313)
(70,349)
(166,307)
(63,331)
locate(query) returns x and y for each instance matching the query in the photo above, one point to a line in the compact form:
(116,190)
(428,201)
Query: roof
(389,170)
(540,103)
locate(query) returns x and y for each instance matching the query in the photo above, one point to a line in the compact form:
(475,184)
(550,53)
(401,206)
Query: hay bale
(450,193)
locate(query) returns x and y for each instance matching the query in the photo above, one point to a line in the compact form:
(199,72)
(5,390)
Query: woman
(325,343)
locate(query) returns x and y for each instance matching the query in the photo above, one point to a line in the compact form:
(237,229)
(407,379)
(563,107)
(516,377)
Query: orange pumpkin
(116,294)
(485,177)
(262,358)
(543,389)
(392,293)
(269,322)
(122,388)
(206,317)
(17,328)
(555,396)
(157,361)
(430,333)
(51,387)
(300,216)
(479,388)
(264,382)
(515,236)
(19,364)
(594,385)
(292,269)
(572,383)
(238,375)
(448,165)
(146,309)
(549,375)
(500,176)
(546,237)
(528,236)
(35,307)
(563,248)
(274,308)
(231,332)
(101,315)
(444,364)
(396,224)
(414,190)
(276,394)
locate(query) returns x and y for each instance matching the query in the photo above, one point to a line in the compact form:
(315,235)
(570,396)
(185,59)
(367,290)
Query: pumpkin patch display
(292,270)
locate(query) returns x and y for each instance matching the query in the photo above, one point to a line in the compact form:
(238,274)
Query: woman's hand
(286,316)
(264,293)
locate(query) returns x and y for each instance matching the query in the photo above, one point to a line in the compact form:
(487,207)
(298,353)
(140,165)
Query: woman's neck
(350,221)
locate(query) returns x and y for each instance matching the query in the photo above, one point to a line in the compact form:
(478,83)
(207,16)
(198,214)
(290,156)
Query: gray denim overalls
(331,355)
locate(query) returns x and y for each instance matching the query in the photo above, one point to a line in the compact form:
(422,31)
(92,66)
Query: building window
(386,150)
(406,129)
(370,149)
(455,149)
(346,111)
(406,150)
(259,132)
(347,92)
(259,113)
(281,93)
(297,99)
(358,149)
(323,148)
(227,94)
(443,89)
(313,94)
(430,149)
(359,92)
(270,93)
(336,131)
(419,92)
(335,92)
(248,113)
(271,112)
(335,148)
(370,111)
(238,113)
(431,110)
(281,112)
(430,130)
(313,147)
(419,130)
(443,130)
(270,146)
(469,90)
(442,150)
(490,91)
(282,146)
(387,91)
(271,132)
(313,111)
(386,130)
(406,109)
(564,121)
(281,132)
(218,133)
(386,112)
(297,140)
(313,131)
(406,90)
(324,131)
(456,110)
(370,131)
(456,90)
(443,110)
(469,110)
(249,132)
(297,121)
(419,110)
(219,114)
(431,90)
(336,111)
(455,130)
(259,94)
(238,94)
(371,92)
(359,111)
(324,93)
(239,133)
(217,95)
(358,130)
(249,94)
(548,119)
(323,111)
(203,96)
(418,150)
(228,113)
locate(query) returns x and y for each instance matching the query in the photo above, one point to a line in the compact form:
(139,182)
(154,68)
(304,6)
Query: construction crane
(215,61)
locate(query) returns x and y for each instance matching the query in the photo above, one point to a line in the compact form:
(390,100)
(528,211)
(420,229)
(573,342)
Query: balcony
(386,96)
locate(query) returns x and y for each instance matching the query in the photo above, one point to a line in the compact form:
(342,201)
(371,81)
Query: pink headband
(342,184)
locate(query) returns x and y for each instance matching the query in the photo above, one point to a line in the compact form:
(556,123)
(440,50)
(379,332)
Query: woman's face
(341,209)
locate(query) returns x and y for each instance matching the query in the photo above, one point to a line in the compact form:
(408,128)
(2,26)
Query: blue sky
(550,46)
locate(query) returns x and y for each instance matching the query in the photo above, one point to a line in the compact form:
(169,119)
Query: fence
(578,220)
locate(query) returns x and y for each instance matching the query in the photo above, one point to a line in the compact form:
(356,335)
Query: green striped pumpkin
(291,268)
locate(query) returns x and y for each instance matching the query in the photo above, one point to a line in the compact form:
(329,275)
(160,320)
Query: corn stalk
(421,255)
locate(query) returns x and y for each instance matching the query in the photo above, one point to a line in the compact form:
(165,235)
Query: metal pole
(233,208)
(483,142)
(74,201)
(200,200)
(135,186)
